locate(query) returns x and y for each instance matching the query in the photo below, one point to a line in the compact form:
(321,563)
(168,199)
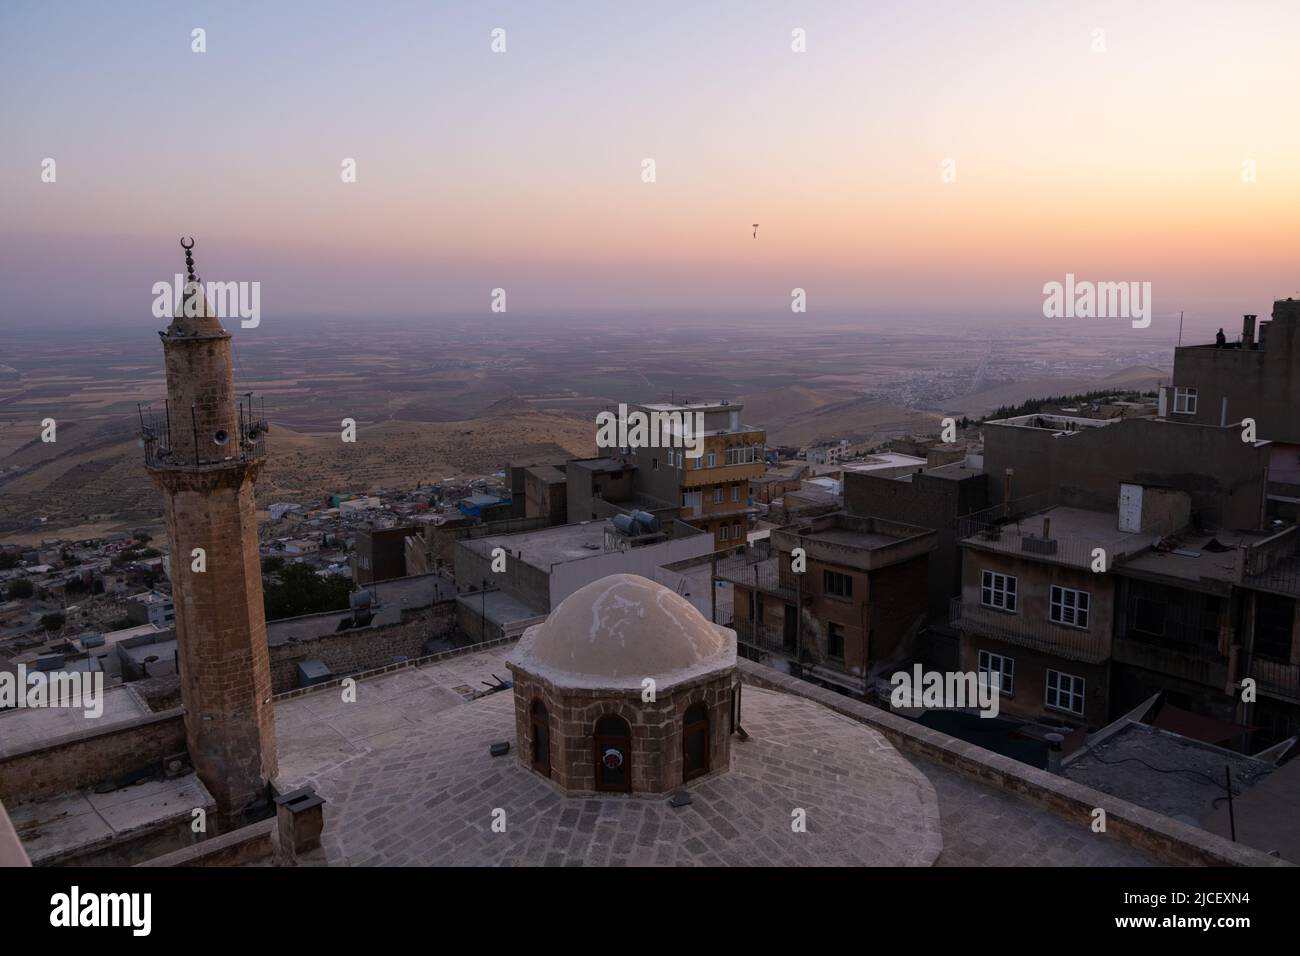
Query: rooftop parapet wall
(1150,832)
(1223,475)
(84,759)
(863,543)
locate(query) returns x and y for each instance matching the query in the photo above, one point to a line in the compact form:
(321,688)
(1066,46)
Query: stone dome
(615,632)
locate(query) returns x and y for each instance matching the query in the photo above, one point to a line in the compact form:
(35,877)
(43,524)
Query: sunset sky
(522,169)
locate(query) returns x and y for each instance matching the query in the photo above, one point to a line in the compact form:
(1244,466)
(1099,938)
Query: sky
(938,158)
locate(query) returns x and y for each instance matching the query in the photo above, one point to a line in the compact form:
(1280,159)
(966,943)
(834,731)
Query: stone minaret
(204,455)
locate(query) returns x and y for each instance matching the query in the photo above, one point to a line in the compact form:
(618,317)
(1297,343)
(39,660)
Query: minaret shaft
(205,470)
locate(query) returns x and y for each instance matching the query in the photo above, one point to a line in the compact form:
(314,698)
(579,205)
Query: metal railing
(762,575)
(161,432)
(1274,564)
(1040,635)
(1276,678)
(766,636)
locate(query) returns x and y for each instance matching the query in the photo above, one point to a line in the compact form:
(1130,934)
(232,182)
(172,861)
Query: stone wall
(346,652)
(80,760)
(656,728)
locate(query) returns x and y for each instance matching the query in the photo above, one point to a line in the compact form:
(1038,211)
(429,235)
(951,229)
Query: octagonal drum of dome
(625,688)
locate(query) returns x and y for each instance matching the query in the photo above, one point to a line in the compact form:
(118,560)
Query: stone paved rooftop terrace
(408,780)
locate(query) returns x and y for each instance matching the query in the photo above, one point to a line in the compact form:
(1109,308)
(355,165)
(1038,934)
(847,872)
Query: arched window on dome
(613,746)
(695,741)
(541,726)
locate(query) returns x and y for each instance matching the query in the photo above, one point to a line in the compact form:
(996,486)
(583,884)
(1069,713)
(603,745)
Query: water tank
(91,639)
(625,524)
(647,522)
(360,599)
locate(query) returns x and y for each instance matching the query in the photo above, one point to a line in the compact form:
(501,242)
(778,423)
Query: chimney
(1054,742)
(1248,331)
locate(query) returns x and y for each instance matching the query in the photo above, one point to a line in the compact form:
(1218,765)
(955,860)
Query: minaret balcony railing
(172,438)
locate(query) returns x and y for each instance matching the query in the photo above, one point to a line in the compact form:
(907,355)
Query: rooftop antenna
(1180,330)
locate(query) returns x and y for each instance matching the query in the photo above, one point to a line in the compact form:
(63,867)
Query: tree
(52,622)
(75,586)
(21,588)
(297,589)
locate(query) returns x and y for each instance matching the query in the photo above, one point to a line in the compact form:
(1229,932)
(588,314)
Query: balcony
(1037,635)
(767,637)
(1274,564)
(1276,678)
(1207,668)
(763,575)
(692,477)
(171,439)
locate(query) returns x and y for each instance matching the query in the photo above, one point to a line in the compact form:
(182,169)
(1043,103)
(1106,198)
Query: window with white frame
(1184,401)
(1070,607)
(998,590)
(717,495)
(713,459)
(726,533)
(735,492)
(1064,692)
(1004,667)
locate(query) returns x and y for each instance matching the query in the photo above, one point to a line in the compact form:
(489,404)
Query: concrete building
(858,604)
(151,607)
(546,565)
(713,489)
(1038,604)
(380,554)
(540,491)
(1088,459)
(934,498)
(1256,377)
(204,459)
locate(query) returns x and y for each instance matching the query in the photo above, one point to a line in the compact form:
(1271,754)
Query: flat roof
(1171,774)
(22,728)
(547,547)
(395,595)
(1077,525)
(877,806)
(1188,557)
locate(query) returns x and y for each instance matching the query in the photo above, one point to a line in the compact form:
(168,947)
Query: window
(1064,692)
(1184,401)
(654,464)
(726,533)
(541,738)
(713,458)
(613,746)
(835,641)
(1148,616)
(836,584)
(695,741)
(717,495)
(998,590)
(1004,667)
(735,492)
(1070,607)
(735,531)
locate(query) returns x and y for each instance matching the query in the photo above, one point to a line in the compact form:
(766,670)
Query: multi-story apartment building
(712,490)
(860,596)
(1039,595)
(1256,377)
